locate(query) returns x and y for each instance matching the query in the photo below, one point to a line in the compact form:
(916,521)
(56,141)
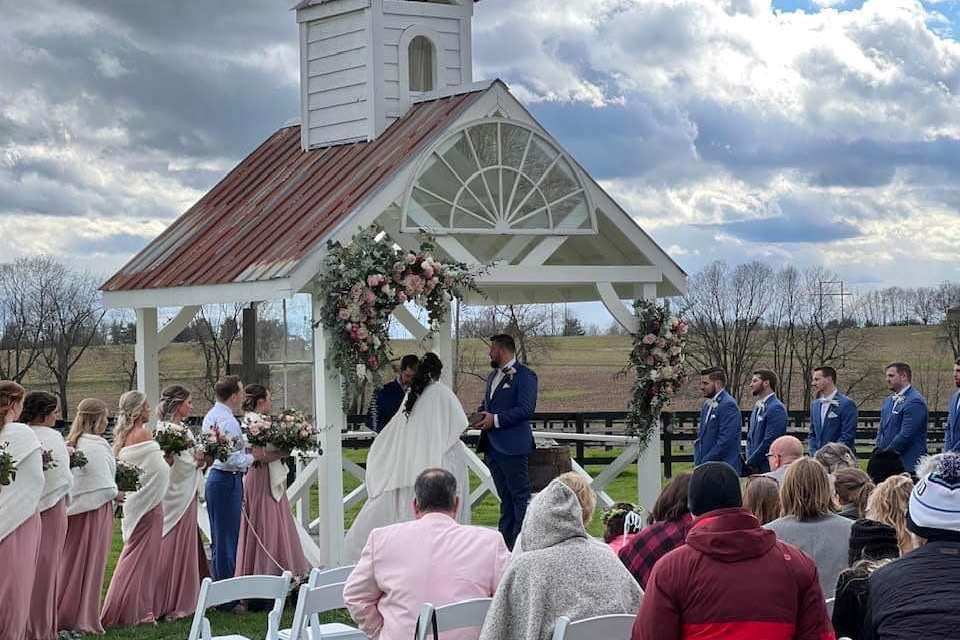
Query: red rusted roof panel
(278,203)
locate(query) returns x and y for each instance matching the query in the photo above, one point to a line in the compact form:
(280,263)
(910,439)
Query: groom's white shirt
(497,377)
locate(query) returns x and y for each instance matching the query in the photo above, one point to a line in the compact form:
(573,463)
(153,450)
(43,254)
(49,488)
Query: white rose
(666,372)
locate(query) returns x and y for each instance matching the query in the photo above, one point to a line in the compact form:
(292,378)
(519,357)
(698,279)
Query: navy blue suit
(840,424)
(385,405)
(903,427)
(951,439)
(718,432)
(510,443)
(768,421)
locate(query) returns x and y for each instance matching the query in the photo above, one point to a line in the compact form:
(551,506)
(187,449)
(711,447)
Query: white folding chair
(457,615)
(213,594)
(829,602)
(311,602)
(321,578)
(633,521)
(617,626)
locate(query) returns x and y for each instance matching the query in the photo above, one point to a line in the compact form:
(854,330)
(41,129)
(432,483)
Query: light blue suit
(951,439)
(903,426)
(840,424)
(718,432)
(767,423)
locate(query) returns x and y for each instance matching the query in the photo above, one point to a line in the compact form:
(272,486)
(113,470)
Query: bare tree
(73,312)
(528,324)
(217,329)
(23,297)
(726,308)
(783,321)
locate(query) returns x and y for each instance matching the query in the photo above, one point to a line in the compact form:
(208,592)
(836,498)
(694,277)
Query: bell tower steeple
(363,63)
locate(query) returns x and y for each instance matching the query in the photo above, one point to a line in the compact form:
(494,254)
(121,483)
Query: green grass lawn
(253,625)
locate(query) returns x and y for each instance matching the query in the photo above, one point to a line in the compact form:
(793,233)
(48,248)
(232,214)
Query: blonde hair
(130,411)
(762,498)
(10,394)
(806,493)
(91,418)
(581,488)
(836,455)
(888,504)
(854,487)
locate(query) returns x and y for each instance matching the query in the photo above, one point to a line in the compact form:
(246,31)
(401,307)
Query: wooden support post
(248,337)
(328,400)
(147,353)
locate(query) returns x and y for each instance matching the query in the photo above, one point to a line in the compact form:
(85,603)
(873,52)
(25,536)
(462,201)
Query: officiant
(386,402)
(504,417)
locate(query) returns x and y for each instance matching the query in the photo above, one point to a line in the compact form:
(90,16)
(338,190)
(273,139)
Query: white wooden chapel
(394,131)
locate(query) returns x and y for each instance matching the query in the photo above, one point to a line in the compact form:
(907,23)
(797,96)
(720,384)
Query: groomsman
(507,439)
(903,419)
(951,440)
(833,416)
(768,421)
(718,433)
(388,399)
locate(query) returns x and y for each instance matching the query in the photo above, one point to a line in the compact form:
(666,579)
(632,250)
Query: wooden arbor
(473,169)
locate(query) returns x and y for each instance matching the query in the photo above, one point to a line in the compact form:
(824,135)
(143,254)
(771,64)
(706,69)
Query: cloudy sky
(806,131)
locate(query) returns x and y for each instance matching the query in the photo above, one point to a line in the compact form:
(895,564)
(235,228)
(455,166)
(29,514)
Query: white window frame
(411,32)
(285,362)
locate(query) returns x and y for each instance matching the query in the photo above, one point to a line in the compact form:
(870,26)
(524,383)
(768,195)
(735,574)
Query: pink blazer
(433,559)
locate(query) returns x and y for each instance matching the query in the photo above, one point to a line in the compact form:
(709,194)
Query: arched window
(421,57)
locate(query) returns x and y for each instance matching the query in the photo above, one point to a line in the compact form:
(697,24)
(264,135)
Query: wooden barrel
(546,464)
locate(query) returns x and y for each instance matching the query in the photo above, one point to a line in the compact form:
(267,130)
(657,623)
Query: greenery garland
(657,358)
(363,282)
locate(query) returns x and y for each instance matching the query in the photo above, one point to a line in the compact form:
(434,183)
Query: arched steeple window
(422,62)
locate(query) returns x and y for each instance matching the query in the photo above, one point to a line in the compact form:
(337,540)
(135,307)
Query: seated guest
(808,521)
(538,586)
(783,451)
(853,488)
(872,545)
(916,596)
(883,464)
(386,402)
(617,529)
(835,456)
(667,528)
(888,504)
(762,498)
(430,559)
(732,579)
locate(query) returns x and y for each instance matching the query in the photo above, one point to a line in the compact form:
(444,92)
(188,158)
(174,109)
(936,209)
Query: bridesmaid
(19,520)
(89,522)
(41,410)
(130,598)
(269,542)
(181,553)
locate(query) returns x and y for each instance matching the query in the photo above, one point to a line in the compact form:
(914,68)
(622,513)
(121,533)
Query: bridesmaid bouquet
(294,432)
(48,460)
(8,466)
(78,459)
(173,438)
(217,444)
(128,476)
(260,434)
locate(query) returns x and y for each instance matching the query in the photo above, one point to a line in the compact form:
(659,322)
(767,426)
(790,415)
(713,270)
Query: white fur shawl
(153,484)
(19,499)
(278,470)
(56,480)
(94,484)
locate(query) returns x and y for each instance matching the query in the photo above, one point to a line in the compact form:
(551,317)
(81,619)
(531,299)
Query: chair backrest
(311,602)
(633,520)
(617,626)
(213,594)
(457,615)
(321,577)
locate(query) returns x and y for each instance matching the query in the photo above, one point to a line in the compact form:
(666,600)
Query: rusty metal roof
(280,202)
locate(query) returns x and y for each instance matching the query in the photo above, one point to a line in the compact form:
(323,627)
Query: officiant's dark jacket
(385,405)
(514,404)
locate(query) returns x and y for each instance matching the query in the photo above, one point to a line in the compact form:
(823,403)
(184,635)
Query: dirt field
(576,374)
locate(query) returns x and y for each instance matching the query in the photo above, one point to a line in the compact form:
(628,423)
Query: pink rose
(402,297)
(373,280)
(411,258)
(254,430)
(428,273)
(344,313)
(369,296)
(362,333)
(649,338)
(661,343)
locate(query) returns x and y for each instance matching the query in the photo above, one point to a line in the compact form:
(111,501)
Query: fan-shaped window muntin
(497,177)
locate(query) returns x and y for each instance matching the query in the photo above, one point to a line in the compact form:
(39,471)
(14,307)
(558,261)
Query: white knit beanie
(935,500)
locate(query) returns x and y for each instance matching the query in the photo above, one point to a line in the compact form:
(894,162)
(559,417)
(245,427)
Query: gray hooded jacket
(560,572)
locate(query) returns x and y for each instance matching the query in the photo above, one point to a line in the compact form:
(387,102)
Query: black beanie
(713,485)
(874,537)
(883,464)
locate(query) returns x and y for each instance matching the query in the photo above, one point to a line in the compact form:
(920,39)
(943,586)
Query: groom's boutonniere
(714,404)
(833,403)
(509,372)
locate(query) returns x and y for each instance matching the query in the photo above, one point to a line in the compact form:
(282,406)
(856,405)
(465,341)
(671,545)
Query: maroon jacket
(733,580)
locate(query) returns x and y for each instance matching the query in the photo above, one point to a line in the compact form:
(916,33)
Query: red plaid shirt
(651,544)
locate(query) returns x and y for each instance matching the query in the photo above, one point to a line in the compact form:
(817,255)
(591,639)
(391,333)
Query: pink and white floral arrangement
(364,281)
(658,359)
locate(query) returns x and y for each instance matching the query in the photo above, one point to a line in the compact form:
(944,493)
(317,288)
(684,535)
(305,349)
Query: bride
(425,433)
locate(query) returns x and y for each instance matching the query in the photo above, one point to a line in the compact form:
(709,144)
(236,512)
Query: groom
(507,439)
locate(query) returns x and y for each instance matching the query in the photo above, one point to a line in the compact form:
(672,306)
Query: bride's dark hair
(427,371)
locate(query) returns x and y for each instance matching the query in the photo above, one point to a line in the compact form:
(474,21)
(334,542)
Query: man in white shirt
(224,491)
